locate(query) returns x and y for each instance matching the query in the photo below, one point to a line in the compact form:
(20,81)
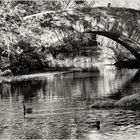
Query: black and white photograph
(70,69)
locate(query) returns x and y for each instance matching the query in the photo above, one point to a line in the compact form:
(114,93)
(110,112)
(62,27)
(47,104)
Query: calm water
(61,106)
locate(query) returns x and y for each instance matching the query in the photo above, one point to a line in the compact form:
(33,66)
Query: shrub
(29,61)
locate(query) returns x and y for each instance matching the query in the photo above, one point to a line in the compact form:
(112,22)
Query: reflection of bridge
(119,24)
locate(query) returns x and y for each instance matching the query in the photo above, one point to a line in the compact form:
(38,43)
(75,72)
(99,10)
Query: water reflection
(60,106)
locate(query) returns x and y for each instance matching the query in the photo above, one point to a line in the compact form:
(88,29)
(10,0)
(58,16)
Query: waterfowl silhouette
(27,110)
(94,124)
(98,125)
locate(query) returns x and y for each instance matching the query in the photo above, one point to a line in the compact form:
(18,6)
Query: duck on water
(98,125)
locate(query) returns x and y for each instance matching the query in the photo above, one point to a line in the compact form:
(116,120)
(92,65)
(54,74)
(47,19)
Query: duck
(98,125)
(95,124)
(27,110)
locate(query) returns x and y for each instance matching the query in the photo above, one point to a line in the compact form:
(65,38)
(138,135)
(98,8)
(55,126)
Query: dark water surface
(61,106)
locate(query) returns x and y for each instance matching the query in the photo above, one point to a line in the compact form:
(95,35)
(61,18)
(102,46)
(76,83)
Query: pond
(61,103)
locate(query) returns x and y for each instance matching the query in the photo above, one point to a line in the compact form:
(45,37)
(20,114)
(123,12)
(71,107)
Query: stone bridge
(119,24)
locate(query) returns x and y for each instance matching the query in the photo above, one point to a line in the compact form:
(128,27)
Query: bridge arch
(118,24)
(124,41)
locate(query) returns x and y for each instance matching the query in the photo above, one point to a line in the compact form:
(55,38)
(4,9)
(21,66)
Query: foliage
(30,7)
(113,51)
(9,27)
(28,61)
(15,33)
(74,45)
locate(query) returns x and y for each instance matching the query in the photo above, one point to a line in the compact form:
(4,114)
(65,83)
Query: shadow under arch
(124,41)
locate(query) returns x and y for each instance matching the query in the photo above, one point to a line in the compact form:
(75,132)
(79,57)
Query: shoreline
(47,74)
(9,79)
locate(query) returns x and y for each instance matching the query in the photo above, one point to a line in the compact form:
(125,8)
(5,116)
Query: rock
(131,101)
(103,104)
(7,72)
(128,102)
